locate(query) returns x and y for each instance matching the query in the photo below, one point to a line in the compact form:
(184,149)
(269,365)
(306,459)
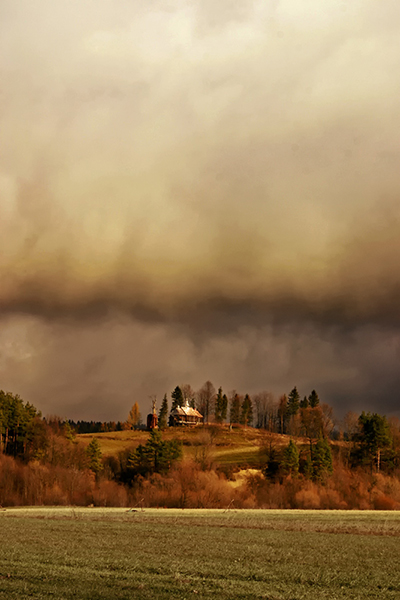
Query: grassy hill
(238,446)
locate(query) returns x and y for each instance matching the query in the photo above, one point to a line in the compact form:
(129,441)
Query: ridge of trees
(368,444)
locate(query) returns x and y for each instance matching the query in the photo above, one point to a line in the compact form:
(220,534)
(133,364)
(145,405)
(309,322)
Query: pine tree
(177,398)
(246,415)
(69,433)
(234,413)
(293,403)
(163,414)
(313,399)
(321,458)
(290,459)
(93,452)
(218,406)
(224,407)
(304,402)
(156,456)
(373,438)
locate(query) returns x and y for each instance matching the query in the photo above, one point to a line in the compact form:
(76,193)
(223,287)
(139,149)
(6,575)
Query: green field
(90,553)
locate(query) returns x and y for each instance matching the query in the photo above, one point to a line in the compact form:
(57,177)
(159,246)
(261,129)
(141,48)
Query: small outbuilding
(152,419)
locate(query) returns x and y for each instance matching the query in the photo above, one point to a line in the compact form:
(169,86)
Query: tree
(234,413)
(304,402)
(373,437)
(16,420)
(246,415)
(224,407)
(189,395)
(220,406)
(350,425)
(94,454)
(205,400)
(163,414)
(156,456)
(290,459)
(313,399)
(177,402)
(316,422)
(69,433)
(270,456)
(134,417)
(282,413)
(266,410)
(321,459)
(177,398)
(293,402)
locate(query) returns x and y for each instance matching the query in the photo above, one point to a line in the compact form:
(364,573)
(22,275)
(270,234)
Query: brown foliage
(65,480)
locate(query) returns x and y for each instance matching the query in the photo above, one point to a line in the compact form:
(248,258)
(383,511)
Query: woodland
(251,452)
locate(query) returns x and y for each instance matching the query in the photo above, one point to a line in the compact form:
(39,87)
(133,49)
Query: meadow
(107,553)
(224,446)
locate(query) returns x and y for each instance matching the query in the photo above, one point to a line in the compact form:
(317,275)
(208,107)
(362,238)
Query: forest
(253,451)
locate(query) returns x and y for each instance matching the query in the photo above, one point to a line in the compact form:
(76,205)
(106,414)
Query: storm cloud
(193,191)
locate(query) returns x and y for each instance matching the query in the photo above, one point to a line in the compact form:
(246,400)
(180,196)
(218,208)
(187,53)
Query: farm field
(96,553)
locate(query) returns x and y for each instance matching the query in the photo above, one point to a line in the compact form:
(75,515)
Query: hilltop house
(185,415)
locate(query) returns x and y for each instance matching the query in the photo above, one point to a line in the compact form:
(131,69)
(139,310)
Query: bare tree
(266,410)
(189,395)
(282,413)
(205,400)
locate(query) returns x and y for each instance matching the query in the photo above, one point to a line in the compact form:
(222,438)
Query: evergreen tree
(293,402)
(224,407)
(218,406)
(372,438)
(177,398)
(272,462)
(304,402)
(307,467)
(156,456)
(246,415)
(16,424)
(313,399)
(321,459)
(290,459)
(69,433)
(93,452)
(163,414)
(234,413)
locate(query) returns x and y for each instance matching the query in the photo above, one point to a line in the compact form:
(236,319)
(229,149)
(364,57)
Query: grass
(237,447)
(91,554)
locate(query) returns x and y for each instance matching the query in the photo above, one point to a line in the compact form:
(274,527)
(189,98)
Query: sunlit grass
(94,553)
(237,446)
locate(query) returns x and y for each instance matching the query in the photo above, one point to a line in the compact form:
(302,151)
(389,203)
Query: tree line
(55,460)
(287,415)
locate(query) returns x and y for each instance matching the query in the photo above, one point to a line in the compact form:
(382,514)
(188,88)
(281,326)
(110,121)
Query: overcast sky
(195,190)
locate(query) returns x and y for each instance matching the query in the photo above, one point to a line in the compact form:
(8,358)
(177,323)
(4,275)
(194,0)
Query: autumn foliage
(42,463)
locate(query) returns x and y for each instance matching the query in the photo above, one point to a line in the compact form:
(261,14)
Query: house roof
(187,411)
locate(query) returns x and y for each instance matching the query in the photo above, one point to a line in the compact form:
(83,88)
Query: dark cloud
(194,191)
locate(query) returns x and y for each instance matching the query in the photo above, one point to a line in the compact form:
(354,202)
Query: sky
(194,190)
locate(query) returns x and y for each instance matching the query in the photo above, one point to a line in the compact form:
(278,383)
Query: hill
(220,445)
